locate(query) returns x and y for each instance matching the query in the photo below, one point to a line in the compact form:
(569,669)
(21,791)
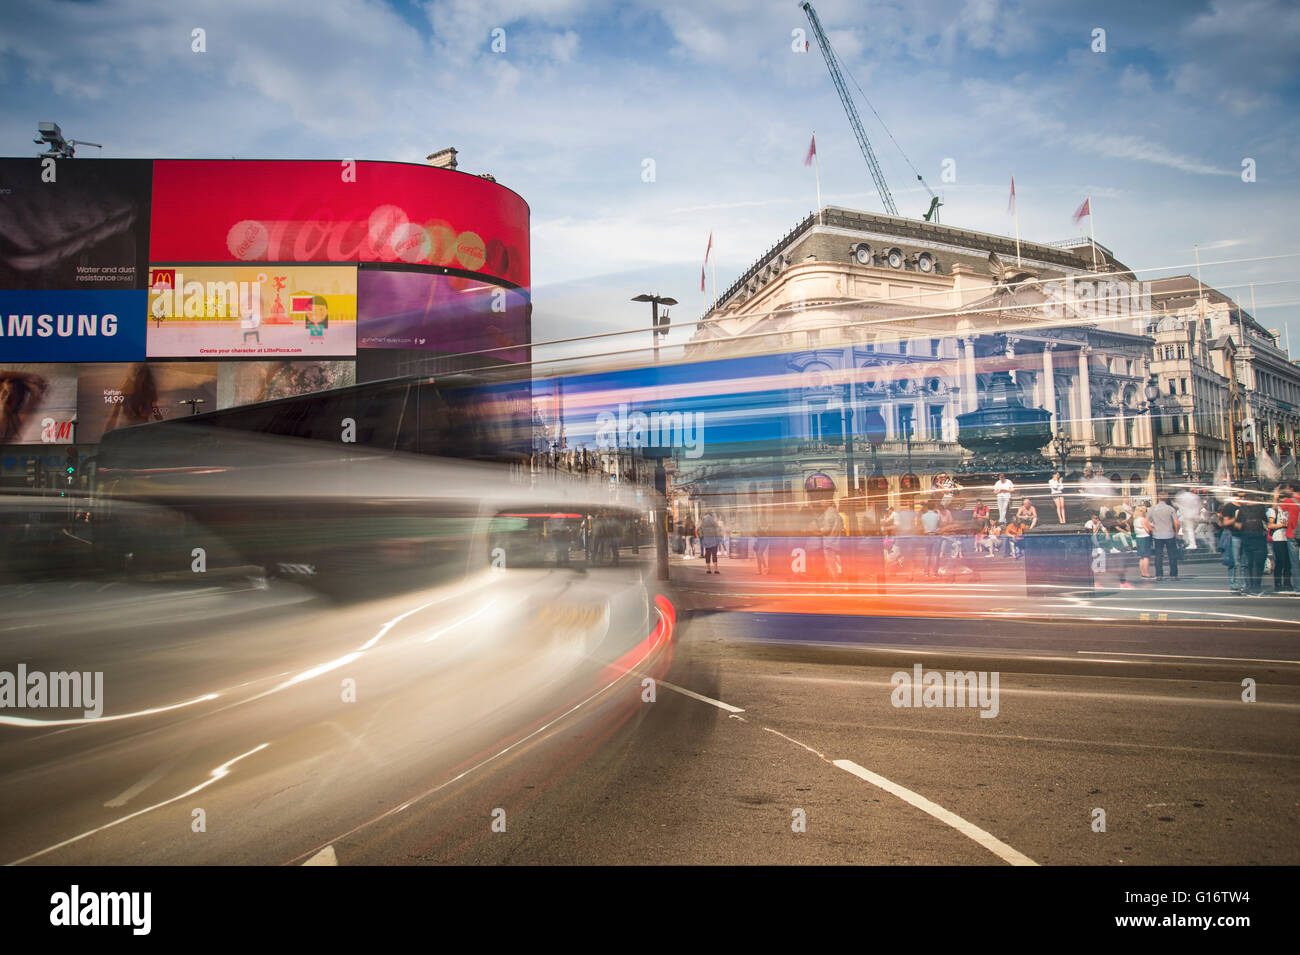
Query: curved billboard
(213,211)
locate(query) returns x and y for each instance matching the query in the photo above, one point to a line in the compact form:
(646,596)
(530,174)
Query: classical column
(969,386)
(922,425)
(1049,382)
(1085,398)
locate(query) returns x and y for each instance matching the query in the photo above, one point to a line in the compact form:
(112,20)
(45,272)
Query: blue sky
(1155,128)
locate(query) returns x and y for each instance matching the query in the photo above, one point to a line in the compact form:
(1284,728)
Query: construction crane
(837,77)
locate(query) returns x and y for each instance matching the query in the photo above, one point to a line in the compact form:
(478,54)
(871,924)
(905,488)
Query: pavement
(995,588)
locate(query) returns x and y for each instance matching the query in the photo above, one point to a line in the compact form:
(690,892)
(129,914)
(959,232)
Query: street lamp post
(1153,397)
(659,327)
(1062,445)
(658,323)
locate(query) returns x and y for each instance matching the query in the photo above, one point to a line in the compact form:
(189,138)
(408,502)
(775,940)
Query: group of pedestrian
(1252,531)
(705,539)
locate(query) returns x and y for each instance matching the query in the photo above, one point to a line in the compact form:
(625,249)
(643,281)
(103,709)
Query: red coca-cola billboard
(207,210)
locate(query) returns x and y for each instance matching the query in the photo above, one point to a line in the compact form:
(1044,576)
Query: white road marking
(1180,656)
(703,699)
(217,774)
(967,829)
(26,721)
(396,620)
(132,791)
(325,857)
(463,620)
(768,729)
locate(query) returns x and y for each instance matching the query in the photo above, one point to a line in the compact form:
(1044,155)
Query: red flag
(701,278)
(812,151)
(710,248)
(1083,211)
(1011,203)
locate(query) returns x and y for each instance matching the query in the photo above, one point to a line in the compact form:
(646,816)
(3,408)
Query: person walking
(1142,533)
(763,543)
(1276,525)
(1003,489)
(830,526)
(710,537)
(1189,507)
(1164,531)
(1057,487)
(931,521)
(1251,519)
(1230,543)
(1290,506)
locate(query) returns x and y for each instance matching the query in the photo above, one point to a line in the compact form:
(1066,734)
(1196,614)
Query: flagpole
(1092,231)
(714,262)
(817,171)
(1015,212)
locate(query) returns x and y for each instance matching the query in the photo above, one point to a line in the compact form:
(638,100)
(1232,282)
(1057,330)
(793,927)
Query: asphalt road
(569,723)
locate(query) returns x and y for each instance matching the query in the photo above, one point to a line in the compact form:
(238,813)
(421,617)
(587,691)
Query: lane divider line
(703,699)
(966,828)
(132,791)
(217,774)
(1181,656)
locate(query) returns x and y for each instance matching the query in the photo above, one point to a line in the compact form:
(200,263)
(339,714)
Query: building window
(934,348)
(871,347)
(1184,385)
(902,348)
(1182,351)
(936,422)
(904,429)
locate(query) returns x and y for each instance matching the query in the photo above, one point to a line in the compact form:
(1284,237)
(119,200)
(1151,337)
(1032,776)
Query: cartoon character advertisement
(252,312)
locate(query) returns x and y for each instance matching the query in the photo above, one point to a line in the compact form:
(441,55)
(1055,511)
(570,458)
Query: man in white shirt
(1003,489)
(931,520)
(1164,533)
(1189,509)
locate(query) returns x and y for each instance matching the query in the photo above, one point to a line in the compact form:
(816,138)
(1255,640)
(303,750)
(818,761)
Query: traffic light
(33,472)
(70,464)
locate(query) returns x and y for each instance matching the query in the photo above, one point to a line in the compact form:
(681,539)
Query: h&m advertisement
(114,395)
(38,404)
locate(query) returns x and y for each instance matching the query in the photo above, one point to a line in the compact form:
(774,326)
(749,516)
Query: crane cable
(886,129)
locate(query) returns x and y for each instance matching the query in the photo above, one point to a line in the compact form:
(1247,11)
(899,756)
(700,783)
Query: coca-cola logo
(387,235)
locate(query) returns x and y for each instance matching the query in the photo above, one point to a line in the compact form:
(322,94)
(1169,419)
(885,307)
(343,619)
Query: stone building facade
(910,321)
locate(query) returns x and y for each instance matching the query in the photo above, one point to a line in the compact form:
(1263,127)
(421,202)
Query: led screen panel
(327,211)
(442,313)
(252,311)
